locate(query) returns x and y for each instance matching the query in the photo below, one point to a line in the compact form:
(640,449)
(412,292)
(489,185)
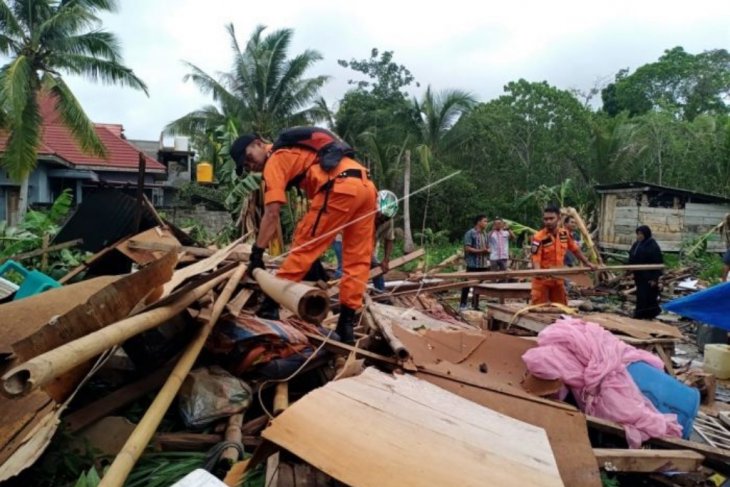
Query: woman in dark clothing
(646,251)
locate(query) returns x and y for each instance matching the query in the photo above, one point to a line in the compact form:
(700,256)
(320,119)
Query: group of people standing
(557,245)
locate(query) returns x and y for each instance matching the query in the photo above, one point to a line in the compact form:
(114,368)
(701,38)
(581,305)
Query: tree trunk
(22,200)
(408,236)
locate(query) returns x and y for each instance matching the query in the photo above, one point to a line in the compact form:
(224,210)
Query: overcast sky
(476,46)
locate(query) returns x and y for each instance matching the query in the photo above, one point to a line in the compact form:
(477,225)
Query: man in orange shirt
(549,246)
(341,200)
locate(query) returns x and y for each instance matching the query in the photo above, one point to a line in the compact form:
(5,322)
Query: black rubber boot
(345,325)
(269,309)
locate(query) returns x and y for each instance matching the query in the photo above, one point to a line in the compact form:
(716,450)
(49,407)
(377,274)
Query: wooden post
(143,433)
(44,255)
(42,369)
(140,191)
(308,303)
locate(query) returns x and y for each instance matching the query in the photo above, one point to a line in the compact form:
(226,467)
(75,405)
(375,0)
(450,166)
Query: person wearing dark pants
(476,255)
(646,251)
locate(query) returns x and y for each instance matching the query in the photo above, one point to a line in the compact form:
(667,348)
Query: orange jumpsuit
(548,251)
(350,199)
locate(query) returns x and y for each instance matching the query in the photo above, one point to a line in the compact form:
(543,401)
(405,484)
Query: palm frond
(21,152)
(16,85)
(73,116)
(108,72)
(100,44)
(101,5)
(64,22)
(8,23)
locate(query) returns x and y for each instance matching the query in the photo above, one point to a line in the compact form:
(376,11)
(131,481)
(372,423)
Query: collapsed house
(424,397)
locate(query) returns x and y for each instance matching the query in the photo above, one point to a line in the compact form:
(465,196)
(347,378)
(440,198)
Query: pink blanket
(592,362)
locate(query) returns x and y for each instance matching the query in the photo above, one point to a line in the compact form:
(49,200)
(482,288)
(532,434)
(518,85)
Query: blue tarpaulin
(711,306)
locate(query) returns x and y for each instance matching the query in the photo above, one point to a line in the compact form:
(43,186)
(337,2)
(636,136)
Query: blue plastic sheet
(711,306)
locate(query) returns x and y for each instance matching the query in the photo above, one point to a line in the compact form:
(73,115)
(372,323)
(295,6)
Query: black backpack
(329,147)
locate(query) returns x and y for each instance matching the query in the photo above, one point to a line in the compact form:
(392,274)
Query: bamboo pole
(385,325)
(143,433)
(590,245)
(558,271)
(233,434)
(308,303)
(281,398)
(42,369)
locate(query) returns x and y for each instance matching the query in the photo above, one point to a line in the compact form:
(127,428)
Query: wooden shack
(676,217)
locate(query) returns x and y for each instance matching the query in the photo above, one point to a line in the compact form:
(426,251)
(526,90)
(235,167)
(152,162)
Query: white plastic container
(717,360)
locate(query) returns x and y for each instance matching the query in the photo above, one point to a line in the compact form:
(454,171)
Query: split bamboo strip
(42,369)
(308,303)
(558,271)
(145,430)
(587,240)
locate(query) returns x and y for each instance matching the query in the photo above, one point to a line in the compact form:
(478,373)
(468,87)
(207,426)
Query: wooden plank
(622,460)
(709,452)
(378,271)
(559,271)
(344,349)
(390,424)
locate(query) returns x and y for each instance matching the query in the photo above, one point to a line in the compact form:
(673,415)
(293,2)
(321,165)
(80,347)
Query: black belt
(327,187)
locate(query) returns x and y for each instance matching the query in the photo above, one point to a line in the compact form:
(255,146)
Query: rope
(526,309)
(213,456)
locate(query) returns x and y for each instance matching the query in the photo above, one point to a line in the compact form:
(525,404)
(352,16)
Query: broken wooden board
(645,461)
(156,235)
(399,431)
(202,266)
(636,329)
(52,319)
(557,271)
(455,360)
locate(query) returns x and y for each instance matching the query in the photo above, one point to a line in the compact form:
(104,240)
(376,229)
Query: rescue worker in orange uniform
(351,198)
(548,249)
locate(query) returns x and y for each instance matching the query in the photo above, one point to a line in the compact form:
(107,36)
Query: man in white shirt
(499,239)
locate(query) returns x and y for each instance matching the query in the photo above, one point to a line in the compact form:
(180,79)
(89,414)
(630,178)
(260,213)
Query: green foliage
(164,469)
(679,82)
(607,481)
(88,479)
(28,236)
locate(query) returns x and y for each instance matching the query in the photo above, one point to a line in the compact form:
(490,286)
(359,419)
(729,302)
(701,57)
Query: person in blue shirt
(476,254)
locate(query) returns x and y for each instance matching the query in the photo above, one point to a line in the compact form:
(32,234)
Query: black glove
(256,260)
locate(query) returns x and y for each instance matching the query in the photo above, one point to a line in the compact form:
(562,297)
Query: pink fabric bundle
(592,362)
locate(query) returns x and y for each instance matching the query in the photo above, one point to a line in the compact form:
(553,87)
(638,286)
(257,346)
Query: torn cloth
(592,363)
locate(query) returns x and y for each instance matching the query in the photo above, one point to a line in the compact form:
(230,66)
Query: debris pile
(427,395)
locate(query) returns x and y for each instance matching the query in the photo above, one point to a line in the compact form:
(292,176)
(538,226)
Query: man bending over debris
(342,198)
(548,251)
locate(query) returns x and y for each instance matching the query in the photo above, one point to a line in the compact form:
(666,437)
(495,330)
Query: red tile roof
(56,140)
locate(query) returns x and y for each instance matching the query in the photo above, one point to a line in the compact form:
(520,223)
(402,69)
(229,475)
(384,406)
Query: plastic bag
(211,393)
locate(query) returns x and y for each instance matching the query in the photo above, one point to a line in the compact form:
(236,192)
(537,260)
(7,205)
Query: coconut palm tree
(263,92)
(45,39)
(432,126)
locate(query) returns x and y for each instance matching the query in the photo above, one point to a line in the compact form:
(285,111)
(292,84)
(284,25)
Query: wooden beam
(378,271)
(195,441)
(720,455)
(559,271)
(623,460)
(344,349)
(426,289)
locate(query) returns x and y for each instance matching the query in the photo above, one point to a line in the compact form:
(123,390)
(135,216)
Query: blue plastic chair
(34,282)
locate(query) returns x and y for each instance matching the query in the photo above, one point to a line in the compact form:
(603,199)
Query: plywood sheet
(402,431)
